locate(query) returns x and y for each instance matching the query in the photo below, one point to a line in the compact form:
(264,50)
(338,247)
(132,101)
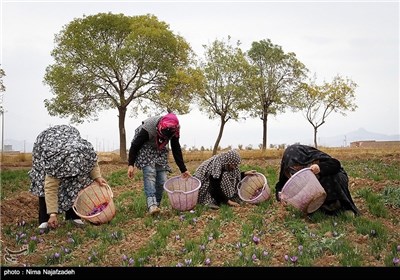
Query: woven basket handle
(109,191)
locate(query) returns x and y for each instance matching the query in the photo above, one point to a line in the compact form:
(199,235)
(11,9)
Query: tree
(318,102)
(225,73)
(277,75)
(106,61)
(2,89)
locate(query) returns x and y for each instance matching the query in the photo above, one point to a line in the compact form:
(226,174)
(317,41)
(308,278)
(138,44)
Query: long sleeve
(51,185)
(282,181)
(177,153)
(142,137)
(216,191)
(95,173)
(328,167)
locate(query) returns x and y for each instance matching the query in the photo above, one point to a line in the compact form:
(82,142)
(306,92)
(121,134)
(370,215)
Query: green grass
(13,181)
(373,169)
(265,236)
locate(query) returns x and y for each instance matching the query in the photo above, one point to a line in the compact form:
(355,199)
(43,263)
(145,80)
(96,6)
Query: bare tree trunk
(265,121)
(315,137)
(221,130)
(122,133)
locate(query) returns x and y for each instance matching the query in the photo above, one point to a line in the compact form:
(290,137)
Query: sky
(358,40)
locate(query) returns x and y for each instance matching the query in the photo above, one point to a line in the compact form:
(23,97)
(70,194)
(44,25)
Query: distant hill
(358,135)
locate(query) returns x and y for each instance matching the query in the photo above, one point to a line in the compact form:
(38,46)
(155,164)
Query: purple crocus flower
(207,261)
(293,259)
(396,261)
(256,240)
(286,257)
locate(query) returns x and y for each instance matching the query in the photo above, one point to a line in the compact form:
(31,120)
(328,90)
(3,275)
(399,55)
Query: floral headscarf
(167,127)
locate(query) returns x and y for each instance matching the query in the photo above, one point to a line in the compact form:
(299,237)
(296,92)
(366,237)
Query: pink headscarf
(168,121)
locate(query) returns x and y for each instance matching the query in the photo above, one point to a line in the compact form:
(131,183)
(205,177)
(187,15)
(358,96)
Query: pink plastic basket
(254,188)
(182,192)
(95,198)
(303,191)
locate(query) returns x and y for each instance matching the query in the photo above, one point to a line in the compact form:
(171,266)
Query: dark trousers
(44,217)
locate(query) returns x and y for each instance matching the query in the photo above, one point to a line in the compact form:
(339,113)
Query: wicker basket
(182,192)
(303,191)
(95,204)
(254,188)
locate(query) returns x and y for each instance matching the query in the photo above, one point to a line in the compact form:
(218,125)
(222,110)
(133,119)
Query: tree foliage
(277,76)
(2,74)
(225,71)
(106,61)
(2,89)
(318,102)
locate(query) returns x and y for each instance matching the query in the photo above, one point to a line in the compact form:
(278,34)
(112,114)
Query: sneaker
(78,222)
(212,206)
(43,225)
(153,209)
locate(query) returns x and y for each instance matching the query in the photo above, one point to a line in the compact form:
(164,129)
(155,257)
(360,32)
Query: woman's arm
(51,185)
(329,166)
(177,153)
(136,144)
(216,190)
(282,181)
(95,174)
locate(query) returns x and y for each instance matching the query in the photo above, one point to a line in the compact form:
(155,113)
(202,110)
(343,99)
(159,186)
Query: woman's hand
(101,181)
(186,174)
(131,171)
(52,222)
(315,168)
(250,172)
(232,203)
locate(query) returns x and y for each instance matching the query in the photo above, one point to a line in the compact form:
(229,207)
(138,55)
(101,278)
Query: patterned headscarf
(167,127)
(230,157)
(61,152)
(215,167)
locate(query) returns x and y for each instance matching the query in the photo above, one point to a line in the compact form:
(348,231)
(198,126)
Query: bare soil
(23,207)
